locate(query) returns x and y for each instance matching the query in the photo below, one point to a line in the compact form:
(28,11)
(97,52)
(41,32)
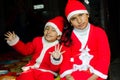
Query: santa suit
(42,66)
(90,53)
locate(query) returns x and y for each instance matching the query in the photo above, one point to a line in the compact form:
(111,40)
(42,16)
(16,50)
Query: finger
(57,48)
(63,52)
(8,33)
(6,38)
(60,48)
(11,33)
(5,35)
(14,35)
(51,53)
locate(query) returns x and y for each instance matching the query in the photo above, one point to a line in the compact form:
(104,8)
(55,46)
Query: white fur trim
(92,70)
(54,26)
(46,46)
(66,73)
(13,42)
(55,62)
(75,12)
(98,73)
(25,68)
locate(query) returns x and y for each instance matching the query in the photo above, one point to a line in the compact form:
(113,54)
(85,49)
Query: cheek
(44,32)
(73,23)
(55,35)
(85,18)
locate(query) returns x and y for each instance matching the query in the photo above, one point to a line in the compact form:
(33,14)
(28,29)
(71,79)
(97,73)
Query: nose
(78,20)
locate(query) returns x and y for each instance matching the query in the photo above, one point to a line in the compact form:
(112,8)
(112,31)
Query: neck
(83,30)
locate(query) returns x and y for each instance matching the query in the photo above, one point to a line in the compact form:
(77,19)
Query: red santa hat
(74,7)
(57,23)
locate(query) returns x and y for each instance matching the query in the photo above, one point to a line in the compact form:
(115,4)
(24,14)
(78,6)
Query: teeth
(47,35)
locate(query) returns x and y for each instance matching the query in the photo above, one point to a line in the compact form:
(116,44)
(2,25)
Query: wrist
(57,59)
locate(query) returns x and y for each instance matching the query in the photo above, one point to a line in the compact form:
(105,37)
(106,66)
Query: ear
(58,37)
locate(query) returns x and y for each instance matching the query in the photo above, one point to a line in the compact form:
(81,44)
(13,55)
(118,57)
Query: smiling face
(50,34)
(79,21)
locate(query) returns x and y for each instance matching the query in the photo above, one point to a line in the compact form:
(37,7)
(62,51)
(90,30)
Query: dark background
(19,15)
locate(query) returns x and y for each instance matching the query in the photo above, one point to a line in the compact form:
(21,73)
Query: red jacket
(35,49)
(98,55)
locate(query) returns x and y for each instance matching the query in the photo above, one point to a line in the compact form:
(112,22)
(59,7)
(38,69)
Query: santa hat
(74,7)
(57,23)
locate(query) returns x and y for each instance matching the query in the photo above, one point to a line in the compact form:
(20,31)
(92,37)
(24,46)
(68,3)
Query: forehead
(77,14)
(49,26)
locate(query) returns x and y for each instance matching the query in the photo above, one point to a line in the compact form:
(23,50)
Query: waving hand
(57,53)
(10,36)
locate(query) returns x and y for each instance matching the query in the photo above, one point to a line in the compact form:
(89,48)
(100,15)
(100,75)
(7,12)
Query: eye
(53,29)
(47,28)
(73,18)
(81,14)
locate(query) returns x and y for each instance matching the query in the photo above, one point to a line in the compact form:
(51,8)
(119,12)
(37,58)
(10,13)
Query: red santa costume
(42,66)
(90,48)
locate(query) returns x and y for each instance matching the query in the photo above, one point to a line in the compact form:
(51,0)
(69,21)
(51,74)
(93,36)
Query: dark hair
(67,31)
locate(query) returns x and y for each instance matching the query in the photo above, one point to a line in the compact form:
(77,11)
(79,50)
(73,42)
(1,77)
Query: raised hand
(10,36)
(57,53)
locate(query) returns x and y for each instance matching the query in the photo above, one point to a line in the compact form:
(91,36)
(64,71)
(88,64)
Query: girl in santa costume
(90,56)
(47,53)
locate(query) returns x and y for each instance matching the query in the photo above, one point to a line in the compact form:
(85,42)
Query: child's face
(79,21)
(50,34)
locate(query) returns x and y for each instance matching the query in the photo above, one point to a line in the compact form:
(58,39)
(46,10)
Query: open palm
(57,53)
(10,36)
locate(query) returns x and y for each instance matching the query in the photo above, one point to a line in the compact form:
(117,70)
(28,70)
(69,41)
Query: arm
(103,54)
(14,41)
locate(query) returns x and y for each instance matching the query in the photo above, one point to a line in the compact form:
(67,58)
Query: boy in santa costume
(47,53)
(90,56)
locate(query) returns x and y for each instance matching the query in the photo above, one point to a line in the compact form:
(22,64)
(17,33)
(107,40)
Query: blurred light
(38,6)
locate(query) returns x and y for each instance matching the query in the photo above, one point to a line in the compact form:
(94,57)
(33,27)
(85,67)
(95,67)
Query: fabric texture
(74,7)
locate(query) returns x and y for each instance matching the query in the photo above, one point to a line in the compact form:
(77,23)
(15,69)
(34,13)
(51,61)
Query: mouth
(80,25)
(48,36)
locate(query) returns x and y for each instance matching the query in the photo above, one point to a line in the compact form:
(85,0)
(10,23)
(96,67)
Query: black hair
(66,34)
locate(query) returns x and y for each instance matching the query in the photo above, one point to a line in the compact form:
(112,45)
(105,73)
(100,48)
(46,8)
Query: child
(47,53)
(89,44)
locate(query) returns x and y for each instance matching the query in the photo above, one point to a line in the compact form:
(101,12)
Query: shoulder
(98,29)
(36,39)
